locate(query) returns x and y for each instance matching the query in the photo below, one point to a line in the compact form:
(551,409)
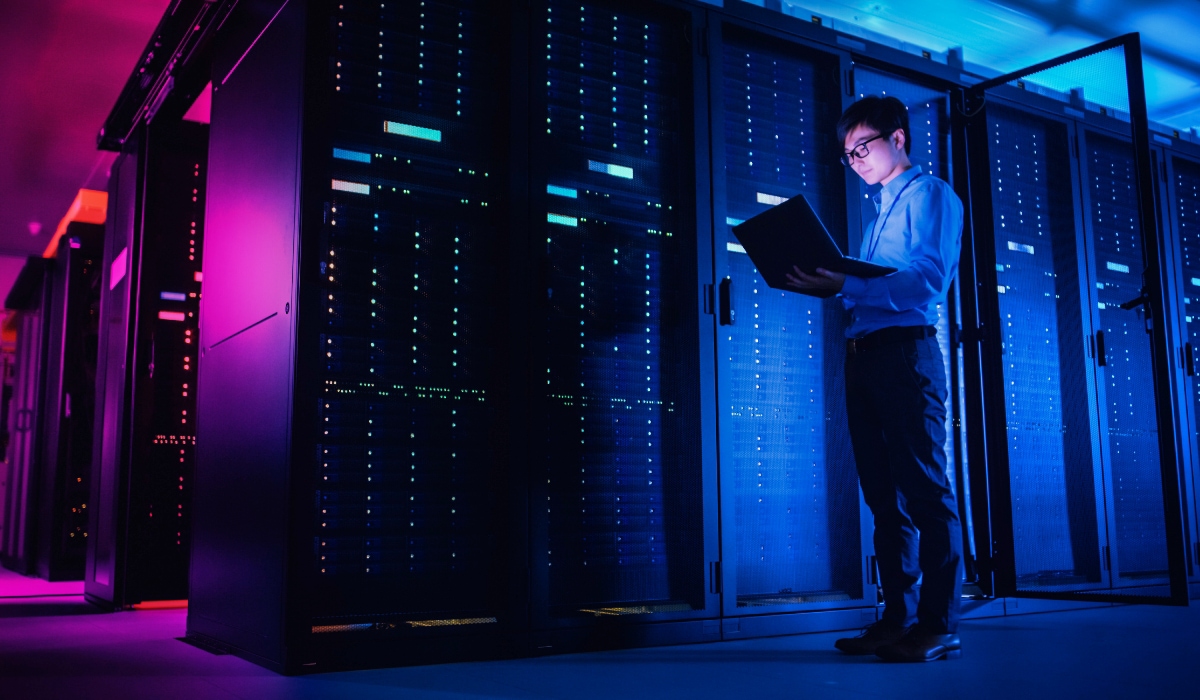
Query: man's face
(883,158)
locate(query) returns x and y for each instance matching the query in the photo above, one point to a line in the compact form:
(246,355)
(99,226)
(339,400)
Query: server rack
(354,478)
(622,429)
(1058,259)
(18,548)
(72,318)
(794,531)
(144,435)
(1180,200)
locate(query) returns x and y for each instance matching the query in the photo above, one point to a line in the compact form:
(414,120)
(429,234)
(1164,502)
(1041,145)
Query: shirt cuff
(854,287)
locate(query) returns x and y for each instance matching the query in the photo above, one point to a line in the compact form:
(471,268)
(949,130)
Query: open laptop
(790,234)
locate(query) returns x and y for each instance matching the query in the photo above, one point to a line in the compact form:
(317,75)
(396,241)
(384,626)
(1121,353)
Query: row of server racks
(479,369)
(484,371)
(102,413)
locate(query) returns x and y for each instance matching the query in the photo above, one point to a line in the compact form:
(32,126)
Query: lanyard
(877,233)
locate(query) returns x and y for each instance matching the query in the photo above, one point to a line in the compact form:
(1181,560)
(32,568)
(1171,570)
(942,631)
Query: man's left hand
(823,280)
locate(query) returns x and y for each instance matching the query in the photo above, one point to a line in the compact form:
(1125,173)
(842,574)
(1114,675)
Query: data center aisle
(1098,653)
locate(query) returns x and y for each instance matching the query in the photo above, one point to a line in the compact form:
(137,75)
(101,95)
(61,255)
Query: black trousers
(896,405)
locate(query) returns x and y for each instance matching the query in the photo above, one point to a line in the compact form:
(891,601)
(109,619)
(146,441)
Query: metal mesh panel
(407,478)
(1096,81)
(1052,475)
(621,446)
(1187,211)
(794,493)
(1130,416)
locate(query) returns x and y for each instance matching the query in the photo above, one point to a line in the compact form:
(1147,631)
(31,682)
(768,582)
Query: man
(896,386)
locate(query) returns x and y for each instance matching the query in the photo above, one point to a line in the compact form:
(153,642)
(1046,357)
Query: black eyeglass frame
(854,152)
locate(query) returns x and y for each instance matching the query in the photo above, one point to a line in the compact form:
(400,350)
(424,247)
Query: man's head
(879,126)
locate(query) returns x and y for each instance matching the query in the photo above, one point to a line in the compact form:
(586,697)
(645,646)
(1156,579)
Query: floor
(57,646)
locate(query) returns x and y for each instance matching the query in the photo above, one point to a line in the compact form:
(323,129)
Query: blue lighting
(1117,267)
(560,219)
(173,296)
(416,132)
(609,168)
(351,155)
(562,191)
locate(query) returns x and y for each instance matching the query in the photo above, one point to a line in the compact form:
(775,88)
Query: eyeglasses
(860,151)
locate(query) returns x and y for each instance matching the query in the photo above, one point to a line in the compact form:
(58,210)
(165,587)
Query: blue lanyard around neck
(877,232)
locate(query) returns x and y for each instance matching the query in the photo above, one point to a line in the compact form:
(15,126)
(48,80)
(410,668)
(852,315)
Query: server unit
(144,436)
(19,542)
(72,327)
(796,536)
(620,427)
(1181,205)
(354,482)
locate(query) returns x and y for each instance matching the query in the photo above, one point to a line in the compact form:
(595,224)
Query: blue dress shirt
(921,236)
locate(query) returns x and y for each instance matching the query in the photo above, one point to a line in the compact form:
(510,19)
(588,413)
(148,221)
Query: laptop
(790,234)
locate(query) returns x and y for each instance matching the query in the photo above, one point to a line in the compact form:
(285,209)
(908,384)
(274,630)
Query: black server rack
(72,319)
(144,436)
(795,534)
(354,486)
(618,430)
(1055,481)
(1137,540)
(1181,204)
(18,537)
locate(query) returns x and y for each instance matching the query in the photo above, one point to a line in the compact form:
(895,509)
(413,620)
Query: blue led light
(173,296)
(1117,267)
(732,221)
(562,191)
(416,132)
(560,219)
(351,155)
(609,168)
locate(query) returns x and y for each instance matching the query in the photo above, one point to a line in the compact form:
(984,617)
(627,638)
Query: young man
(896,386)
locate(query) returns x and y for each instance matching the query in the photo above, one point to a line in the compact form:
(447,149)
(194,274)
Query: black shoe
(917,645)
(873,636)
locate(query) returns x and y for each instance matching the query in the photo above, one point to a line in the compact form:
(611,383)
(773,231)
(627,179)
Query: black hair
(883,114)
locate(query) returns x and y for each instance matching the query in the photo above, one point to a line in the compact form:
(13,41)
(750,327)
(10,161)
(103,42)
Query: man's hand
(824,280)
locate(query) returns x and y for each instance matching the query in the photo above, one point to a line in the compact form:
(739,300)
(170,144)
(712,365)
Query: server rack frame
(126,478)
(68,399)
(555,633)
(30,296)
(252,588)
(999,510)
(780,618)
(1169,152)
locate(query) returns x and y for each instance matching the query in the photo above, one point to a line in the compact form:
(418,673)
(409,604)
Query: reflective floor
(59,647)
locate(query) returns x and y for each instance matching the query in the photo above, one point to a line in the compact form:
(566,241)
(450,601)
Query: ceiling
(63,63)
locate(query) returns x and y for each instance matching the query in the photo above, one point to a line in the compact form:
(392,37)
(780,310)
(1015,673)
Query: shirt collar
(889,191)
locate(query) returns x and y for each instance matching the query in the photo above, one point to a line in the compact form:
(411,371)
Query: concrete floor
(60,647)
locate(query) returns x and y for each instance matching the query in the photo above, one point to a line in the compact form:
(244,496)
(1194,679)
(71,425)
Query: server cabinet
(27,298)
(1137,542)
(72,319)
(618,413)
(1181,203)
(1078,483)
(794,533)
(144,435)
(354,482)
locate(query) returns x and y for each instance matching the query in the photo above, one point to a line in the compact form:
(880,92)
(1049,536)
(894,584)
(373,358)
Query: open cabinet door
(1076,411)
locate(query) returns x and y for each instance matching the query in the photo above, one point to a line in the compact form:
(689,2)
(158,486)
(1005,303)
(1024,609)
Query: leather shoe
(921,646)
(872,638)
